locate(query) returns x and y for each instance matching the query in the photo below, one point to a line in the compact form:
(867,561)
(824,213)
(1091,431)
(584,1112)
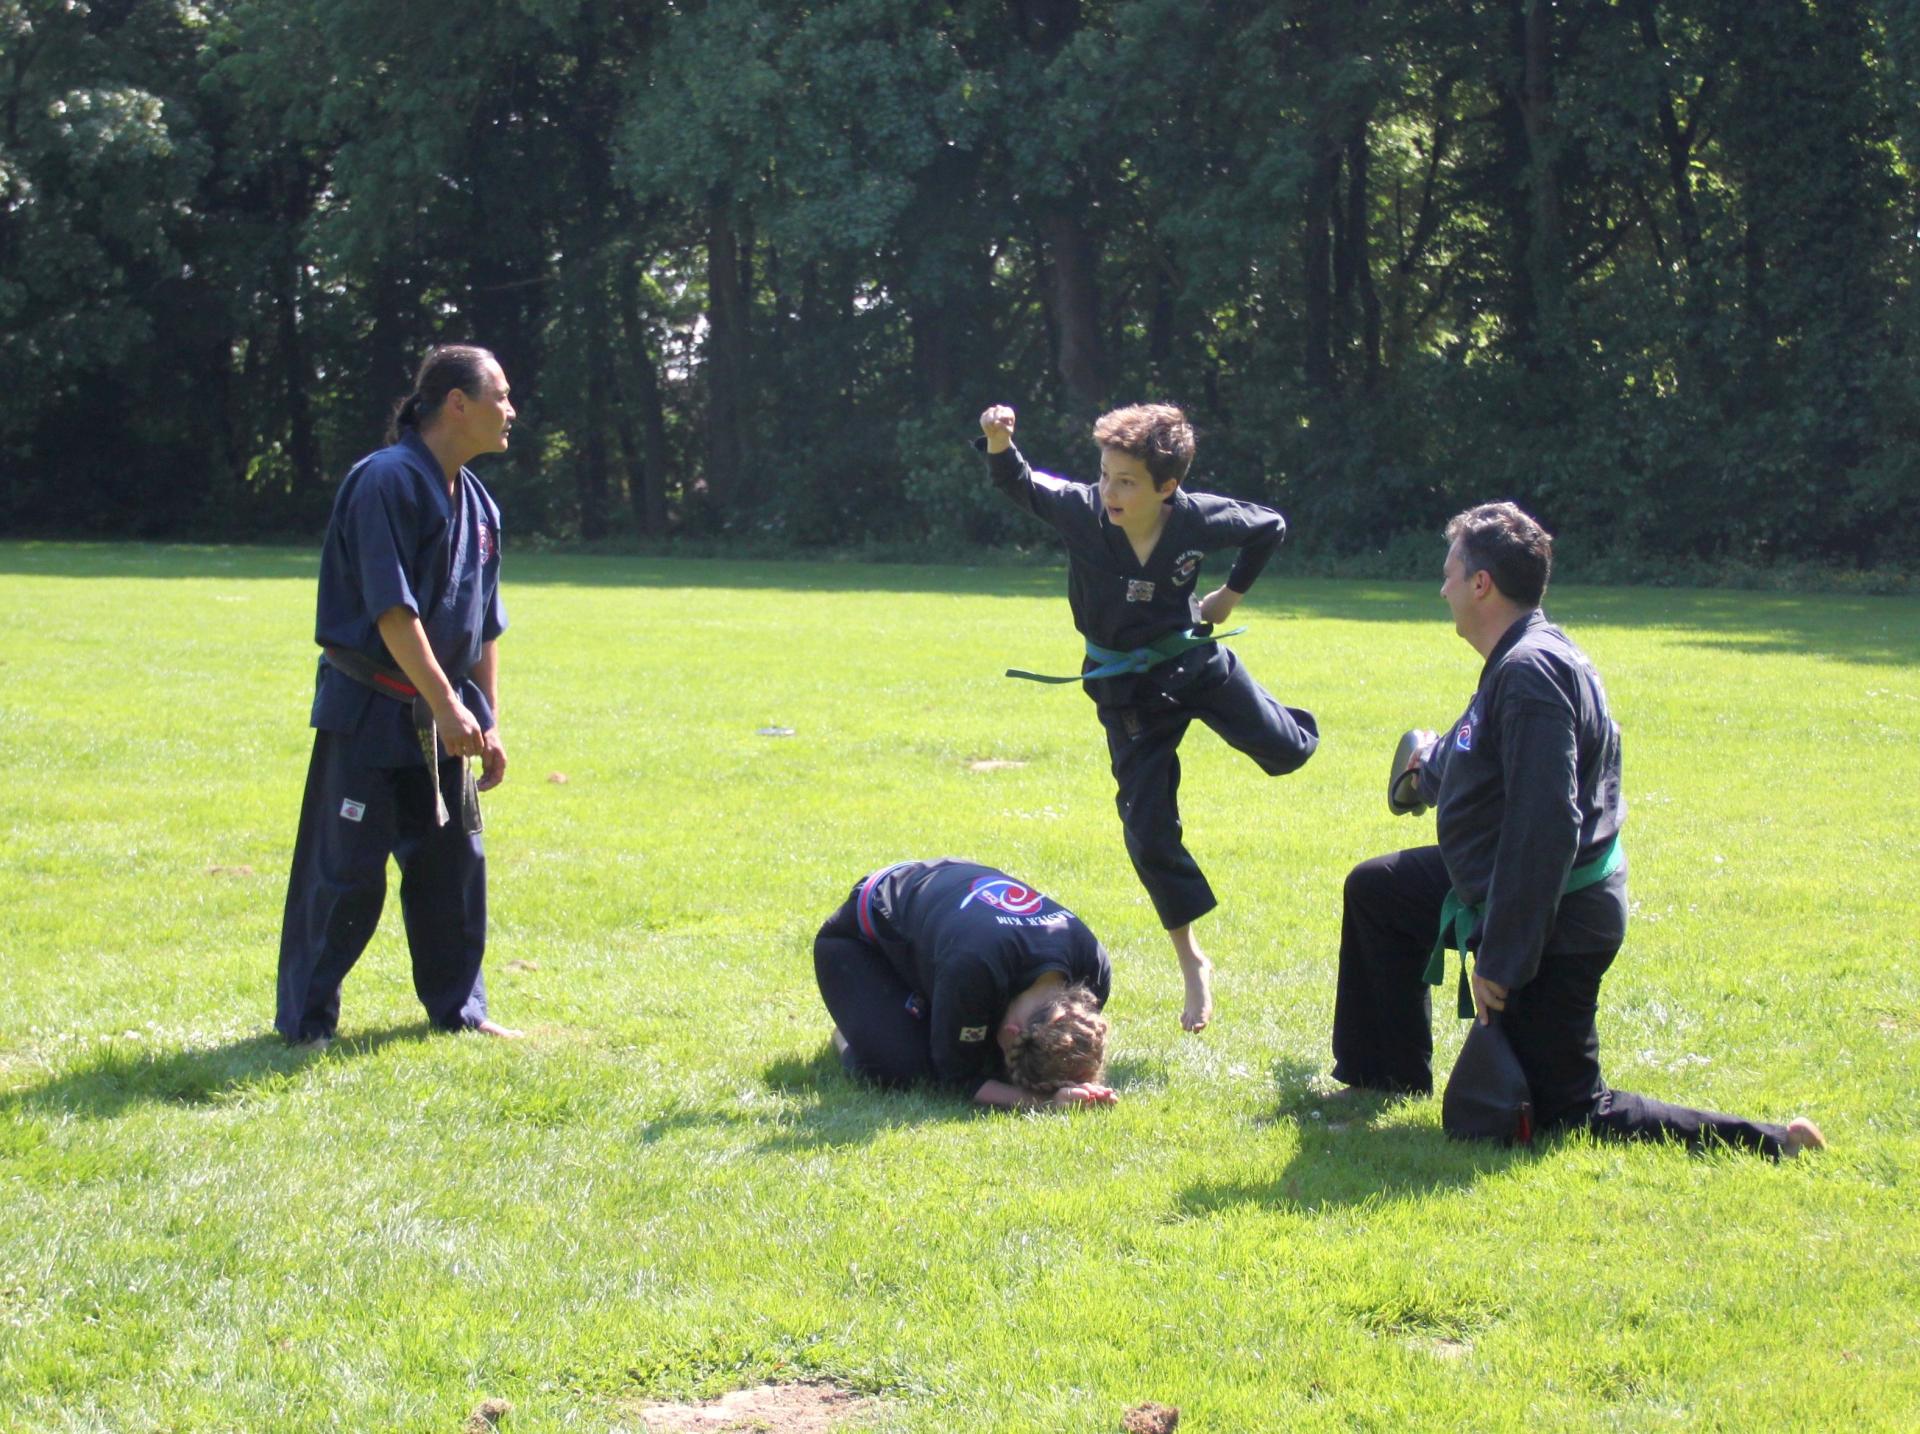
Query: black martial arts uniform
(1120,603)
(395,540)
(919,963)
(1526,787)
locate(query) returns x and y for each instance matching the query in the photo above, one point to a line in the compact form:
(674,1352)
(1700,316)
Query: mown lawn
(668,1190)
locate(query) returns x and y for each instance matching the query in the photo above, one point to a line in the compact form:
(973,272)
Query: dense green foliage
(1646,265)
(668,1187)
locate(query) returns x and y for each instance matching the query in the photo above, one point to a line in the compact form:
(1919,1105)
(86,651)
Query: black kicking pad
(1487,1096)
(1403,783)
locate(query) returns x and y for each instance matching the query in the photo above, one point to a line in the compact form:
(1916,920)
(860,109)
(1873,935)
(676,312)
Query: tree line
(754,266)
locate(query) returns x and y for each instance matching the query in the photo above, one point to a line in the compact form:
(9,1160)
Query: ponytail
(445,368)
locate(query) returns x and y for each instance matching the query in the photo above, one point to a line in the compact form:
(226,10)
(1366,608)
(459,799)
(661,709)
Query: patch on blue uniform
(973,1033)
(1463,739)
(489,545)
(353,811)
(1139,590)
(1004,894)
(1186,565)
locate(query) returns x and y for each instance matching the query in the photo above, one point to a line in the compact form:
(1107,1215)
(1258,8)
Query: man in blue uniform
(957,974)
(1135,542)
(408,621)
(1528,874)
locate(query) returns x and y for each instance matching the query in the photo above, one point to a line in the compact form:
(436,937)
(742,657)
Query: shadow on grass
(1346,1155)
(107,1082)
(851,1111)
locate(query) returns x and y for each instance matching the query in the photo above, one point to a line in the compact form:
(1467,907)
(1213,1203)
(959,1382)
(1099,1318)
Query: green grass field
(668,1190)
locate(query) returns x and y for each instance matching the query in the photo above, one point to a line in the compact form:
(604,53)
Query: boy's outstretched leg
(1197,971)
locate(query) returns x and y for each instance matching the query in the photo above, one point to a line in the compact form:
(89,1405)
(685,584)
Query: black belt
(392,682)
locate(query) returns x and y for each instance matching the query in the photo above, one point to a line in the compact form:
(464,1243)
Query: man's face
(487,417)
(1459,588)
(1126,489)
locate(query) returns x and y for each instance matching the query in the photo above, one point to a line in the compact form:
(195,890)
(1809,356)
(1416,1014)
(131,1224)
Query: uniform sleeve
(1055,500)
(1539,829)
(494,621)
(379,529)
(1433,766)
(967,1005)
(1254,530)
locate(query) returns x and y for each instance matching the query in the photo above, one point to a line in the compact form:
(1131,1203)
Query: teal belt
(1457,920)
(1117,662)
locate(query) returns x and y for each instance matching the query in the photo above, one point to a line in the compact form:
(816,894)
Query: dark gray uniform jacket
(1526,787)
(1118,601)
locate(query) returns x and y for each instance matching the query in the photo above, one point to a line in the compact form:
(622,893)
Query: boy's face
(1126,488)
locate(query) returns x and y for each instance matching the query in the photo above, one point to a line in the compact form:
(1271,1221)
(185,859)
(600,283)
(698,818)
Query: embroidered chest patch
(973,1033)
(489,544)
(1463,739)
(1185,566)
(1139,590)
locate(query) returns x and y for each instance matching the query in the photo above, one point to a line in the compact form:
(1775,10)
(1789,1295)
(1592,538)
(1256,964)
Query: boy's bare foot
(1197,971)
(1198,974)
(1803,1134)
(839,1042)
(313,1045)
(493,1028)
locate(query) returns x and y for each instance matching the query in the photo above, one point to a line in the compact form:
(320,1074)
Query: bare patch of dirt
(1150,1418)
(559,779)
(486,1418)
(230,871)
(767,1409)
(519,965)
(992,764)
(1450,1349)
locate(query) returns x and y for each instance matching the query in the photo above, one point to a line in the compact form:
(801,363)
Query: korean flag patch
(351,810)
(973,1033)
(1139,590)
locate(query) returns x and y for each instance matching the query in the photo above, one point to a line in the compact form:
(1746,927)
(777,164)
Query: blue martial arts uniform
(396,539)
(919,963)
(1120,603)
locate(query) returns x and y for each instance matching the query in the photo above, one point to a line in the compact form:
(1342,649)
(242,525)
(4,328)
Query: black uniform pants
(1143,741)
(352,819)
(1383,1015)
(883,1021)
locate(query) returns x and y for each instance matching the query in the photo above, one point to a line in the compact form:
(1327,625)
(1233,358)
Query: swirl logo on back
(1004,894)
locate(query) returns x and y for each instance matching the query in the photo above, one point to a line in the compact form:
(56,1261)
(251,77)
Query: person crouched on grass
(1528,873)
(954,973)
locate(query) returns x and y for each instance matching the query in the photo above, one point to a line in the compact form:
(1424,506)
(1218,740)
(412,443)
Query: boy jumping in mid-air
(1135,543)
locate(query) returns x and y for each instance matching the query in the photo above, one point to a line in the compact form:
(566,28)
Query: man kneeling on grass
(955,973)
(1528,874)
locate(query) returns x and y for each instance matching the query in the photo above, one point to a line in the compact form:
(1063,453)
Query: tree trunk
(1360,258)
(726,338)
(1081,354)
(648,484)
(593,451)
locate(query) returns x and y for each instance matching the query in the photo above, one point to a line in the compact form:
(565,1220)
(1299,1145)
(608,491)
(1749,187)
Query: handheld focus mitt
(1487,1097)
(1403,782)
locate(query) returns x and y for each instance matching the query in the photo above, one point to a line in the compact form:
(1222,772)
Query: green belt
(1119,662)
(1457,920)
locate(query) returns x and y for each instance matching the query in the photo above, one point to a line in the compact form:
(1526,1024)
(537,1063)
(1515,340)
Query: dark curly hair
(1065,1043)
(1158,434)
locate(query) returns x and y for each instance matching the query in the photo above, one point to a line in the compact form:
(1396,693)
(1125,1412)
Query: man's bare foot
(1197,971)
(492,1028)
(839,1042)
(1803,1134)
(314,1045)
